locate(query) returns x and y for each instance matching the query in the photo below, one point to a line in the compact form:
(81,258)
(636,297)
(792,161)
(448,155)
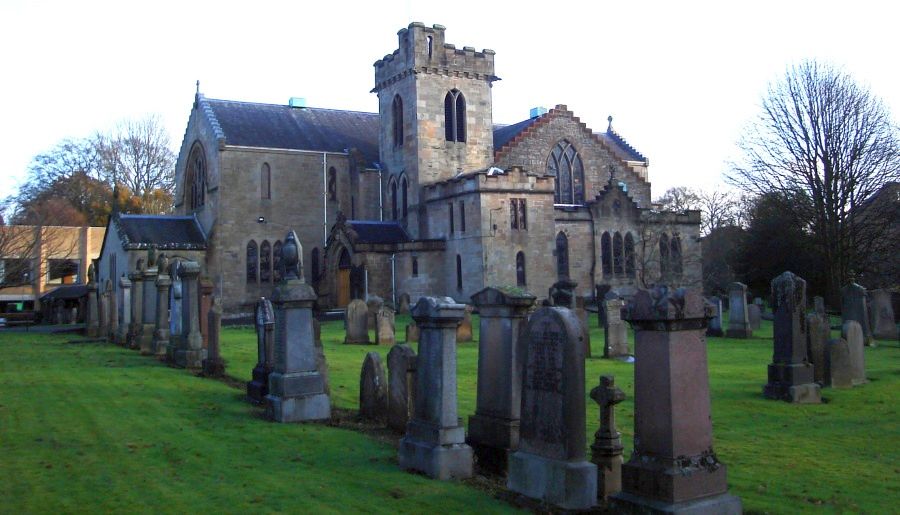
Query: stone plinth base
(609,475)
(351,341)
(435,460)
(298,409)
(569,485)
(723,504)
(160,347)
(739,333)
(792,383)
(258,388)
(493,439)
(190,358)
(213,367)
(145,340)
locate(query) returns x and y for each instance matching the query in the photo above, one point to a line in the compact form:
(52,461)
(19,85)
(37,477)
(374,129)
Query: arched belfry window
(618,254)
(195,178)
(429,43)
(397,120)
(265,262)
(265,181)
(459,282)
(405,194)
(252,262)
(565,164)
(455,116)
(629,255)
(562,256)
(520,269)
(606,254)
(393,199)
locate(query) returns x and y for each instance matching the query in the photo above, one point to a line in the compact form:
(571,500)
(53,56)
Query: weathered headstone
(258,387)
(373,304)
(819,307)
(384,326)
(884,323)
(584,318)
(852,333)
(355,323)
(715,323)
(93,322)
(673,467)
(148,327)
(103,328)
(550,464)
(403,304)
(754,317)
(738,319)
(615,332)
(838,364)
(176,314)
(562,293)
(163,283)
(494,428)
(434,443)
(190,352)
(854,307)
(373,389)
(401,362)
(124,310)
(213,365)
(296,388)
(464,329)
(818,333)
(206,287)
(321,364)
(137,305)
(606,451)
(791,376)
(602,293)
(412,333)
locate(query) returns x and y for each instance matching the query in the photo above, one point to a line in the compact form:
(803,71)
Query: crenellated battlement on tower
(423,49)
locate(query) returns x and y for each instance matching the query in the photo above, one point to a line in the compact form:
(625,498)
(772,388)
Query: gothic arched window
(265,262)
(415,267)
(393,199)
(252,262)
(459,285)
(629,255)
(332,184)
(195,178)
(455,116)
(397,120)
(520,269)
(606,254)
(277,272)
(265,181)
(405,195)
(664,257)
(676,265)
(618,254)
(565,164)
(562,256)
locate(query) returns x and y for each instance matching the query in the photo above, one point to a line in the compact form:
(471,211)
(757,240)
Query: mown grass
(94,427)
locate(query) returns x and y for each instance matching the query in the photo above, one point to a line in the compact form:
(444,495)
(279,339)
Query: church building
(428,196)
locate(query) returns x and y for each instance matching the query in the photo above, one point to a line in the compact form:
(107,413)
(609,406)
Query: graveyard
(92,426)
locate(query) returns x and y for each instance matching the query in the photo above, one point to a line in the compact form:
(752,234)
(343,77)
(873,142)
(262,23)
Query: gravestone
(412,333)
(137,305)
(384,323)
(103,328)
(401,362)
(754,317)
(264,318)
(602,293)
(791,376)
(163,283)
(176,315)
(296,388)
(838,364)
(494,428)
(884,324)
(818,335)
(372,389)
(403,304)
(373,304)
(550,464)
(321,364)
(819,307)
(615,332)
(852,333)
(738,319)
(213,365)
(434,443)
(606,451)
(148,327)
(355,325)
(584,318)
(190,352)
(673,467)
(124,311)
(853,307)
(113,310)
(464,329)
(93,323)
(715,323)
(205,286)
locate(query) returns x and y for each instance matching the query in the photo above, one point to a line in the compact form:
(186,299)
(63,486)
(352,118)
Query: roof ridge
(620,140)
(245,102)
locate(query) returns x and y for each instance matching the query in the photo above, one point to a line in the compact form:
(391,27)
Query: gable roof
(160,231)
(378,232)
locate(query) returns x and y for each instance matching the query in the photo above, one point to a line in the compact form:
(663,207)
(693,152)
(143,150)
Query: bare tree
(138,154)
(679,199)
(822,136)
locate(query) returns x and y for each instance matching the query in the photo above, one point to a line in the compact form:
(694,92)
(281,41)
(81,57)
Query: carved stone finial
(163,264)
(290,258)
(609,119)
(151,257)
(92,277)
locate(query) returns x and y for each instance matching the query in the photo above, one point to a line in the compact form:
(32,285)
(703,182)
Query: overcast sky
(681,79)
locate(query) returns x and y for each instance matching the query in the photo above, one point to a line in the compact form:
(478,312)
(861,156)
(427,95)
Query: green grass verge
(92,427)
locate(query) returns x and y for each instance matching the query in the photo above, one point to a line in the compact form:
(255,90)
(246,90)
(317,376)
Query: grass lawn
(91,427)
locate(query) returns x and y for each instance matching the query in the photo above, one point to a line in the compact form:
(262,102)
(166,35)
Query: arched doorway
(343,279)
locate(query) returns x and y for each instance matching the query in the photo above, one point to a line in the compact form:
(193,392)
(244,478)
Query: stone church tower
(434,101)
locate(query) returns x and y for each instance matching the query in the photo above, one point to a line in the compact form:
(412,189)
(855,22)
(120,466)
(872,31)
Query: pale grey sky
(680,78)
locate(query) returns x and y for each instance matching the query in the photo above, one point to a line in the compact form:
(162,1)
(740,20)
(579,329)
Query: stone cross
(161,335)
(791,376)
(401,363)
(854,307)
(258,387)
(355,323)
(148,327)
(434,443)
(673,463)
(190,352)
(551,464)
(738,318)
(124,311)
(373,389)
(137,306)
(606,451)
(213,365)
(494,428)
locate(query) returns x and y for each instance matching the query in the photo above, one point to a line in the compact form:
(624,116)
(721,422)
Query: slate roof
(161,231)
(66,292)
(503,134)
(378,232)
(295,128)
(614,139)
